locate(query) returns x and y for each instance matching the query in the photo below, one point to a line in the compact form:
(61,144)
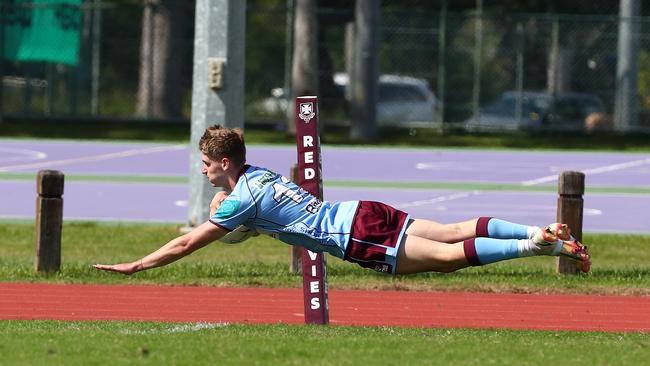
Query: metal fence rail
(540,69)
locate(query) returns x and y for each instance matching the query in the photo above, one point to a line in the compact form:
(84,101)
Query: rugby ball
(240,234)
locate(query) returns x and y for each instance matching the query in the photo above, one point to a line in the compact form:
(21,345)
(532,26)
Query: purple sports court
(162,197)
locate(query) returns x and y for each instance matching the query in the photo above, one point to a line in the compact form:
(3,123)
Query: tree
(304,72)
(161,58)
(363,81)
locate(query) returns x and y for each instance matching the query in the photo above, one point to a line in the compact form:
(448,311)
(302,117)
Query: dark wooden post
(295,266)
(571,188)
(49,220)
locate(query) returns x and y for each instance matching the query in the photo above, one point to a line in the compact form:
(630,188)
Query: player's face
(214,171)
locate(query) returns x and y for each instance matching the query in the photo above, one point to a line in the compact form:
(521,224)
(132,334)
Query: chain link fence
(472,71)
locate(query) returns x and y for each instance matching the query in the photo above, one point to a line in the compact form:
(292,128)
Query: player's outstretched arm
(174,250)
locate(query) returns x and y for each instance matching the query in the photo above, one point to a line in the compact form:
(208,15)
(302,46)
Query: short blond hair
(219,142)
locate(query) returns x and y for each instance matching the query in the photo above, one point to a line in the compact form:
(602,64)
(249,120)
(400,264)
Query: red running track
(347,307)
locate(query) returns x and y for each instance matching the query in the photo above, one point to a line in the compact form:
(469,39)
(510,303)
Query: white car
(402,101)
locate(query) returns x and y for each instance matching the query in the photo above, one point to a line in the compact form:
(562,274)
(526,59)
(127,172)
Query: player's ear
(225,163)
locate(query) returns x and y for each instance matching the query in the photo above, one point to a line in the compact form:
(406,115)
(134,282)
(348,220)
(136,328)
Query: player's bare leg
(484,227)
(445,233)
(417,254)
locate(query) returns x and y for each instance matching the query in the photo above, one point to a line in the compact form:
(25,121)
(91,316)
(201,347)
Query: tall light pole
(625,109)
(217,86)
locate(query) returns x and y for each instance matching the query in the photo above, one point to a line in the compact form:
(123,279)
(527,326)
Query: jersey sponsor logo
(227,208)
(265,179)
(314,205)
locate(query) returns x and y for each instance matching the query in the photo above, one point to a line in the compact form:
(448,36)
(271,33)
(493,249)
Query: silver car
(403,101)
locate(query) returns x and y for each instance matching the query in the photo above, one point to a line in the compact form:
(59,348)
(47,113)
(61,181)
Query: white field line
(524,210)
(181,328)
(89,159)
(22,154)
(598,170)
(445,198)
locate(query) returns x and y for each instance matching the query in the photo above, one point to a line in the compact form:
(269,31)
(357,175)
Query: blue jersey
(273,205)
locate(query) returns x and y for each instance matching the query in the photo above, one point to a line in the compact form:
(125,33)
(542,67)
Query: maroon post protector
(314,270)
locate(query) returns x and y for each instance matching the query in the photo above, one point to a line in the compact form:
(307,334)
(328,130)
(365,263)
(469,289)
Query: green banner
(42,30)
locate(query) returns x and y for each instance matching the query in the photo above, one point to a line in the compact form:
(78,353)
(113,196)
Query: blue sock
(501,229)
(480,251)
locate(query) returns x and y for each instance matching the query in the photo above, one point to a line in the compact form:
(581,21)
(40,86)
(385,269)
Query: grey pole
(96,54)
(478,48)
(2,52)
(625,109)
(366,68)
(554,58)
(152,9)
(442,49)
(521,38)
(288,50)
(217,86)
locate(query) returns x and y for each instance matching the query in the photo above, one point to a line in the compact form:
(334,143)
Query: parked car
(530,110)
(406,101)
(402,101)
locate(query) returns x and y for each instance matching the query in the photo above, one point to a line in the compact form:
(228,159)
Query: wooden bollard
(571,188)
(49,220)
(295,265)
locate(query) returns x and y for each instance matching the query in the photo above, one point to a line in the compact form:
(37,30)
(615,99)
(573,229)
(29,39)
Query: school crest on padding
(306,111)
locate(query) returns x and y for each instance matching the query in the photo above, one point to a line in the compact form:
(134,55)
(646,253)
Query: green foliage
(644,78)
(265,63)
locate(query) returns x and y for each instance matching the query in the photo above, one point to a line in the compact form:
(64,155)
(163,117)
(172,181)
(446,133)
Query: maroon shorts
(377,231)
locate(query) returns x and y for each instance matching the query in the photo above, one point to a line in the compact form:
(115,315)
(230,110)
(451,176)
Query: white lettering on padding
(315,303)
(309,157)
(310,173)
(313,287)
(312,255)
(307,141)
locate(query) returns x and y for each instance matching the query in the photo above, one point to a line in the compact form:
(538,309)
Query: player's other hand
(218,198)
(124,268)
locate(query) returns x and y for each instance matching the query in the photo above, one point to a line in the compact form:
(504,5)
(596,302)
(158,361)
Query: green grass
(122,343)
(620,264)
(620,267)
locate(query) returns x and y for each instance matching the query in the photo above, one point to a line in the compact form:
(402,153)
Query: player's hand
(218,198)
(123,268)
